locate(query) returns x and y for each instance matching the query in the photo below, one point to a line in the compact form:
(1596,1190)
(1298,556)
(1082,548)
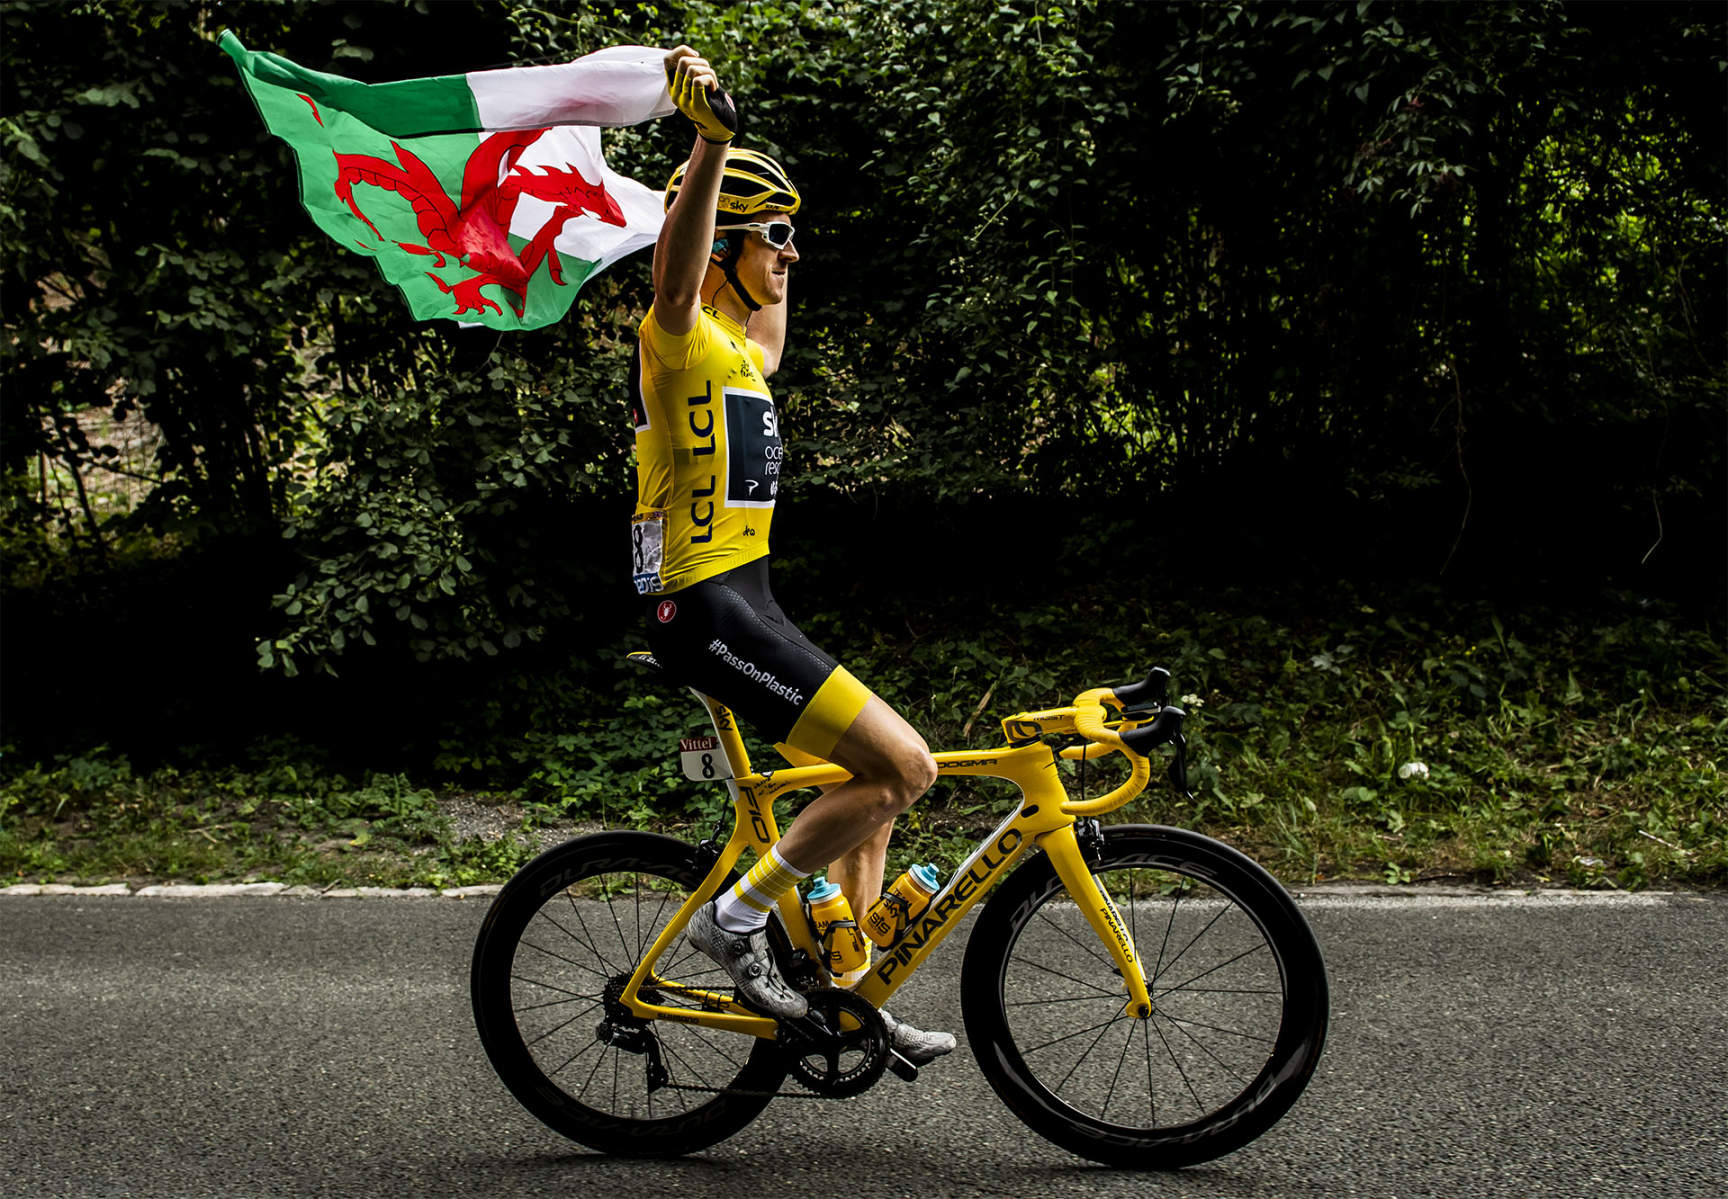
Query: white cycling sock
(745,907)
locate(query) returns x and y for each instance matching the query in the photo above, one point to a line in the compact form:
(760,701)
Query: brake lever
(1178,772)
(1148,695)
(1165,727)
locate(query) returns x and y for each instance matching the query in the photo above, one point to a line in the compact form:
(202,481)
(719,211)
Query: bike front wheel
(1238,990)
(557,947)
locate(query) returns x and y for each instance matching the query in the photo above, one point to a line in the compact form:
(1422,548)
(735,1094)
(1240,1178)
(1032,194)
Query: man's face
(762,267)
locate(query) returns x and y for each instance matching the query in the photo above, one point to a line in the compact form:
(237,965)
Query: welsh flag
(483,197)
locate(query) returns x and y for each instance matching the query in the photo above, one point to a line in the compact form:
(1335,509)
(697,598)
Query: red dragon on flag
(456,185)
(474,231)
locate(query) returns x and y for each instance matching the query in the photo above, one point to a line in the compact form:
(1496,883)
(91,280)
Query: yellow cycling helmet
(752,183)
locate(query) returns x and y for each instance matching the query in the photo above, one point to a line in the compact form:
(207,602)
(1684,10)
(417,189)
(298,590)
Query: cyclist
(709,457)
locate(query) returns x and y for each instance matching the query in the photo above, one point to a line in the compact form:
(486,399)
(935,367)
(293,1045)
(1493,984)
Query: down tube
(994,858)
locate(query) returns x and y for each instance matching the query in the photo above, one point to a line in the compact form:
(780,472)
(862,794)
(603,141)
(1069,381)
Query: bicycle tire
(571,922)
(1239,993)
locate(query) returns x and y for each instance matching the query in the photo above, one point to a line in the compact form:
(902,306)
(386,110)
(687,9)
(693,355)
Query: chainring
(840,1049)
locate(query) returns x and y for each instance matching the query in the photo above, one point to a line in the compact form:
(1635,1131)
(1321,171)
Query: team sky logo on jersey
(754,450)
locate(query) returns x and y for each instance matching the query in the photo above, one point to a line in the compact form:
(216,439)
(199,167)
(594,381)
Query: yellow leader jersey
(708,453)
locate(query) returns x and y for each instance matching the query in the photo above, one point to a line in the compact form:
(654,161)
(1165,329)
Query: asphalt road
(1520,1047)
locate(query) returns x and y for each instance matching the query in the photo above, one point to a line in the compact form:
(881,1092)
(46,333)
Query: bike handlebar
(1137,739)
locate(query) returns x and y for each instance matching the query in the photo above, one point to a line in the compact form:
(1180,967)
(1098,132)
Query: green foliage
(94,816)
(1396,743)
(1054,249)
(1318,273)
(1471,745)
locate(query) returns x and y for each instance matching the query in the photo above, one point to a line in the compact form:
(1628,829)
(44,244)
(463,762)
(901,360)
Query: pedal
(902,1067)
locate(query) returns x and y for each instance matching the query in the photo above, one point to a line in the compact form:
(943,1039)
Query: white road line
(1366,896)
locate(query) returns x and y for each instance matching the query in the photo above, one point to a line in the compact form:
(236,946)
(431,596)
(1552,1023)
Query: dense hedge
(1424,291)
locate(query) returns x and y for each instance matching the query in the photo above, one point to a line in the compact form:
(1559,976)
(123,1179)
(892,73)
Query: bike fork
(1095,904)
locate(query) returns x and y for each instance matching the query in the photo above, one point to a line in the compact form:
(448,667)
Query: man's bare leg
(849,826)
(859,871)
(890,766)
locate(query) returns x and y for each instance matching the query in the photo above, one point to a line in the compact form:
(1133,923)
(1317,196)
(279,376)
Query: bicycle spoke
(1068,1036)
(1252,949)
(1175,1061)
(526,944)
(1168,926)
(671,1052)
(1151,1090)
(617,925)
(1093,998)
(553,1073)
(654,926)
(686,952)
(1127,1044)
(598,1062)
(583,942)
(1134,917)
(713,1043)
(1079,982)
(1102,1029)
(1232,1032)
(586,942)
(1195,940)
(643,939)
(556,1028)
(1199,1044)
(1091,947)
(534,1007)
(587,939)
(1228,991)
(534,982)
(636,913)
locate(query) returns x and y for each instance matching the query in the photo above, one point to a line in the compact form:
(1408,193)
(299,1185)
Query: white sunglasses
(776,233)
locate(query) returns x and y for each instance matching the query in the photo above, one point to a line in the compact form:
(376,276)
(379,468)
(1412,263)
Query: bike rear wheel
(1239,1003)
(558,944)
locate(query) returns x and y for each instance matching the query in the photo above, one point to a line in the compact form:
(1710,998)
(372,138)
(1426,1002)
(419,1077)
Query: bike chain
(871,1037)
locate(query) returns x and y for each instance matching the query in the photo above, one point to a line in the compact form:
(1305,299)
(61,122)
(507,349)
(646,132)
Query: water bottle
(842,945)
(900,904)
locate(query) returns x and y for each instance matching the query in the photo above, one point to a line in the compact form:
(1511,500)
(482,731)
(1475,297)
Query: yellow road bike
(1140,995)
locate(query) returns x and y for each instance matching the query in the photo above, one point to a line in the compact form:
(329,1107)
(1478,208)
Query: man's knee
(885,751)
(914,773)
(900,775)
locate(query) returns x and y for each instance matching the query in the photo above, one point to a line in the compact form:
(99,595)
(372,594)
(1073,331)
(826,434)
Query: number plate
(704,760)
(648,550)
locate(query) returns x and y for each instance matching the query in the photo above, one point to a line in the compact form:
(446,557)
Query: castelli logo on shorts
(667,611)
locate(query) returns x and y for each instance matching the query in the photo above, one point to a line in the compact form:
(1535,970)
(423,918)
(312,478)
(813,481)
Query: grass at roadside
(90,818)
(1352,738)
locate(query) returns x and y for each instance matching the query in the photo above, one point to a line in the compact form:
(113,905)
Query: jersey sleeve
(673,350)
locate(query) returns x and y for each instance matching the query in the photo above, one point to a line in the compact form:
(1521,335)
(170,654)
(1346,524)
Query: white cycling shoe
(914,1044)
(750,963)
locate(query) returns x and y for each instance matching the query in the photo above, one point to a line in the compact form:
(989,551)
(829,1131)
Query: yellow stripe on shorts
(829,714)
